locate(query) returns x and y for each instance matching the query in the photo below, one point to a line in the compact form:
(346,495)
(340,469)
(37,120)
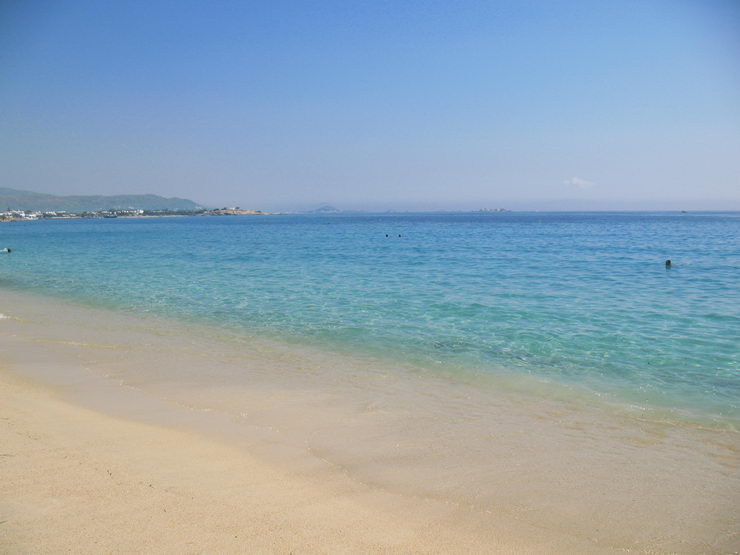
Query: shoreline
(139,216)
(502,380)
(503,471)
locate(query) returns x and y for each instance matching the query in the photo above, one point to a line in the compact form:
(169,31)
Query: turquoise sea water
(581,299)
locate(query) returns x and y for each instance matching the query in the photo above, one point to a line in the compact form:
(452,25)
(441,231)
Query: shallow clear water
(579,299)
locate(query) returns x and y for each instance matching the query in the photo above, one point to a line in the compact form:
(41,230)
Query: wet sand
(123,433)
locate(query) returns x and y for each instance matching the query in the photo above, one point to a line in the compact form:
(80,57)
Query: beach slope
(75,480)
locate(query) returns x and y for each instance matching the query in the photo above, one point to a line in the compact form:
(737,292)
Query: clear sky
(377,104)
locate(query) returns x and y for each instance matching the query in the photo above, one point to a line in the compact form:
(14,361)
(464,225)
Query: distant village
(24,215)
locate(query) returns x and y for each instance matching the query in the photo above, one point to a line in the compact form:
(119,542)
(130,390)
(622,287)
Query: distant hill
(29,201)
(325,209)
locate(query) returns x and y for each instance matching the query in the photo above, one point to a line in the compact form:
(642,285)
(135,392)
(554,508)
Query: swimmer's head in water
(668,263)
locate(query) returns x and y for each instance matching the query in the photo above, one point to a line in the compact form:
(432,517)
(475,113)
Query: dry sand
(74,480)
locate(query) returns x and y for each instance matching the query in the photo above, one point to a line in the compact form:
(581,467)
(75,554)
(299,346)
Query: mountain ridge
(16,199)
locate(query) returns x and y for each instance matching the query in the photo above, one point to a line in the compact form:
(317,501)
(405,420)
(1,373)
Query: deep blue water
(578,298)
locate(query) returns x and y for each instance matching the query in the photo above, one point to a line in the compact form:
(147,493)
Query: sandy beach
(78,481)
(117,437)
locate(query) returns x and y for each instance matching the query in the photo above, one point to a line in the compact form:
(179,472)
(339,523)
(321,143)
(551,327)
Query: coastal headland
(126,432)
(22,215)
(28,205)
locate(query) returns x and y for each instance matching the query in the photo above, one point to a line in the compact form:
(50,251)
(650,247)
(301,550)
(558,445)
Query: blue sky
(278,105)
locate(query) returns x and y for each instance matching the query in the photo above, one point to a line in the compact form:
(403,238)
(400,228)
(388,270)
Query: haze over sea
(580,300)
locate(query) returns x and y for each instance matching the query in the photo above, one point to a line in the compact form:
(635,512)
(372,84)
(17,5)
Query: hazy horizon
(376,105)
(560,205)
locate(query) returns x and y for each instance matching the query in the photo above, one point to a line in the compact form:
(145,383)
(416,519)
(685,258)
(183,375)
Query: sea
(579,302)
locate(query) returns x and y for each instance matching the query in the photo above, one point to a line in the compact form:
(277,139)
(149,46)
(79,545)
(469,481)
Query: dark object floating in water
(668,263)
